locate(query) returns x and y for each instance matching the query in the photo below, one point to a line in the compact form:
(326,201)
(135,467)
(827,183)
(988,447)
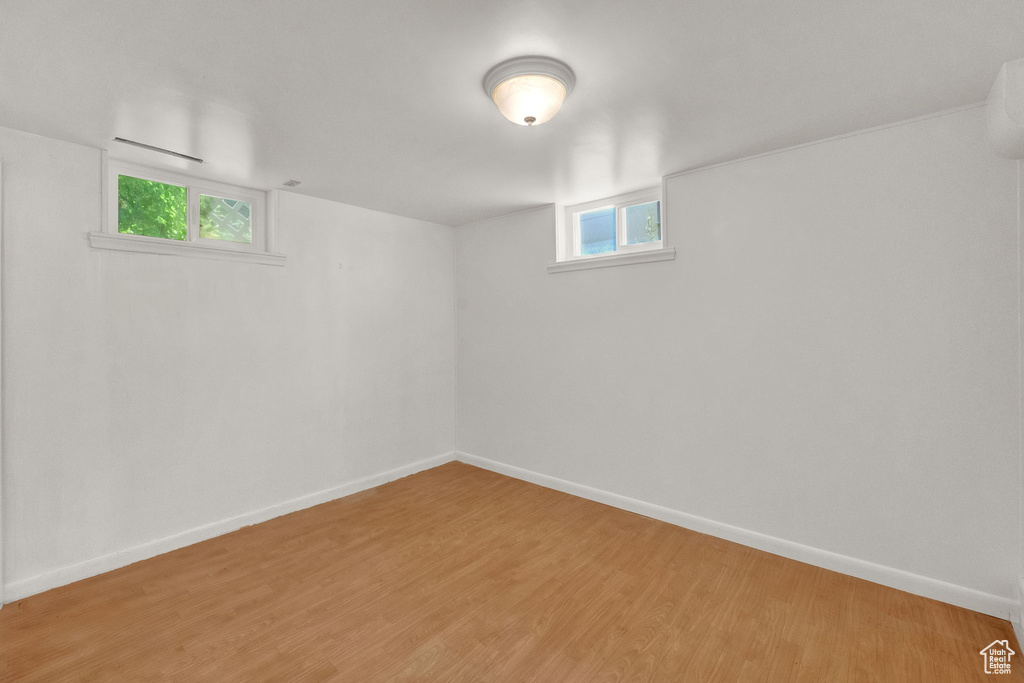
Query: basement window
(161,212)
(613,231)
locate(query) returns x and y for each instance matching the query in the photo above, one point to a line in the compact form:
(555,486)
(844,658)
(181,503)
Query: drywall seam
(760,155)
(455,341)
(842,136)
(539,207)
(1018,612)
(2,593)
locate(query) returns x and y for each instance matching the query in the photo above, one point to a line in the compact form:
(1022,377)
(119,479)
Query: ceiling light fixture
(529,90)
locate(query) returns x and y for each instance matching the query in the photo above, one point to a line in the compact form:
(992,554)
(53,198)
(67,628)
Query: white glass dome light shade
(529,90)
(529,100)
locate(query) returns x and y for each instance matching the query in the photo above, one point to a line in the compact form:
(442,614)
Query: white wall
(149,395)
(831,359)
(1020,398)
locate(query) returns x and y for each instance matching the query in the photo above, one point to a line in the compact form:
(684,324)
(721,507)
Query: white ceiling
(379,103)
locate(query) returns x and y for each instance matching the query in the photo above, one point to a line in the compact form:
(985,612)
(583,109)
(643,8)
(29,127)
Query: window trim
(263,206)
(612,259)
(568,243)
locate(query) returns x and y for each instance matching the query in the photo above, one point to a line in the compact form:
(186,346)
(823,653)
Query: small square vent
(292,183)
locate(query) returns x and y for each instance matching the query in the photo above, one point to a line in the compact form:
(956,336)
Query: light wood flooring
(459,574)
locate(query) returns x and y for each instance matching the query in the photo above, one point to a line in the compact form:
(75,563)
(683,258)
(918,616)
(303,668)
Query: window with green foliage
(643,222)
(169,206)
(164,211)
(146,207)
(225,219)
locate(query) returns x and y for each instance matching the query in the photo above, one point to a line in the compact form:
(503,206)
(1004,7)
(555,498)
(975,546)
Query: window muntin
(613,226)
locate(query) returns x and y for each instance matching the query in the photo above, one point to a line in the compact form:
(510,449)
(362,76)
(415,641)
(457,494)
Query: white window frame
(568,243)
(262,208)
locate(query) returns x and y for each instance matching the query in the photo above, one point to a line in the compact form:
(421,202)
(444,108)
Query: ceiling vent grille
(161,150)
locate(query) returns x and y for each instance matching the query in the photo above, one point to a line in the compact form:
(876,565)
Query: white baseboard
(17,590)
(961,596)
(968,598)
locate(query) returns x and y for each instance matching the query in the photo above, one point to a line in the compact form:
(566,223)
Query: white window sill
(630,257)
(154,245)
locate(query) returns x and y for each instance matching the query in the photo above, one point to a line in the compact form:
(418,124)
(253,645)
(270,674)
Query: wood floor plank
(459,574)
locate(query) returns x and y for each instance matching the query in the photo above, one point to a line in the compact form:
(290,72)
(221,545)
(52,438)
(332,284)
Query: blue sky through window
(597,231)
